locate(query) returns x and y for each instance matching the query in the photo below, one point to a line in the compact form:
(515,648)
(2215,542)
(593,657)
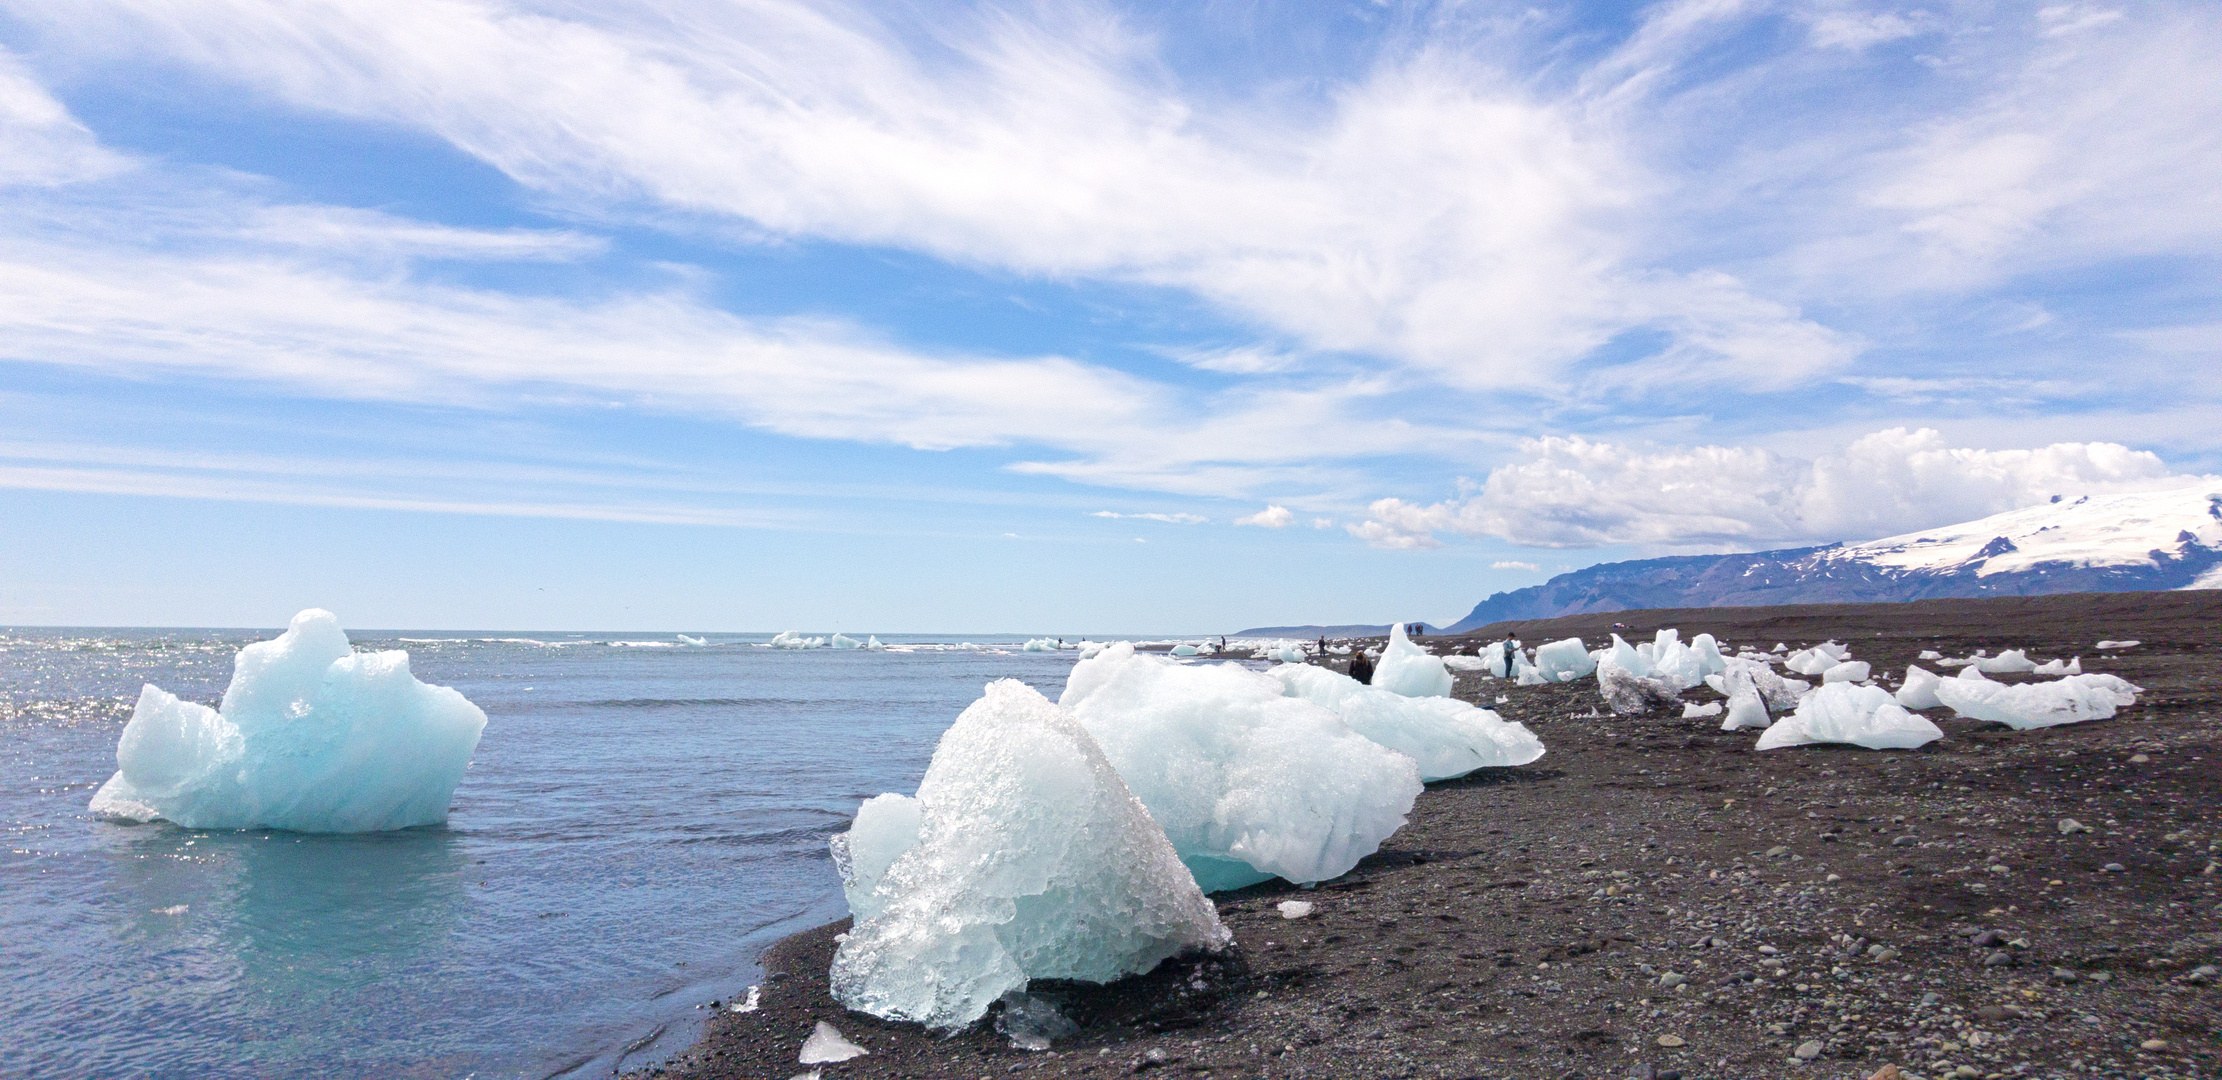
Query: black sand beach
(1653,898)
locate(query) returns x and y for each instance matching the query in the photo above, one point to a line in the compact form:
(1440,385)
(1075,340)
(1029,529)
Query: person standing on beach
(1361,668)
(1511,647)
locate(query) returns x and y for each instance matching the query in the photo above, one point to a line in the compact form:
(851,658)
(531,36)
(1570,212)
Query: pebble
(1909,841)
(1671,979)
(1987,939)
(1777,852)
(2070,826)
(1671,1041)
(2138,759)
(2000,958)
(2063,974)
(2153,1044)
(1808,1050)
(2113,868)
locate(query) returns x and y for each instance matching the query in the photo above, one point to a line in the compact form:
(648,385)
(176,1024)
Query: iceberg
(2070,700)
(2059,667)
(844,641)
(1286,652)
(1630,694)
(1842,712)
(1565,660)
(1919,691)
(1248,782)
(311,736)
(1032,861)
(1039,645)
(1446,736)
(788,639)
(685,640)
(1409,670)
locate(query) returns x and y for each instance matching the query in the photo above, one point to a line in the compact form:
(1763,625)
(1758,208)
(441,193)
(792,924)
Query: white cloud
(1573,493)
(41,144)
(1507,564)
(1170,519)
(1238,360)
(1272,517)
(1857,30)
(368,232)
(1439,210)
(1323,523)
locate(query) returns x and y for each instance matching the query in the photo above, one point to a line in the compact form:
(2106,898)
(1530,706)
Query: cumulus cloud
(1574,493)
(1272,517)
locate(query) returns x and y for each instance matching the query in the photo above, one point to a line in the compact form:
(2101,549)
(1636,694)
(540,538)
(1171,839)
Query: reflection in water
(304,945)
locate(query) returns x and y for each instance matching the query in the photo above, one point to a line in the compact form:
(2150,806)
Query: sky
(1064,316)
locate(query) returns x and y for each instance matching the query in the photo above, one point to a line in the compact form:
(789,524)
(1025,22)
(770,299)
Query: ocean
(641,818)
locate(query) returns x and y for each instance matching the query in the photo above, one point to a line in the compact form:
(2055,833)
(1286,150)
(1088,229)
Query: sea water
(641,819)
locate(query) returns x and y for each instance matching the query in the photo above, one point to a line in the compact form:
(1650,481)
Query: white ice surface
(1564,660)
(311,737)
(1848,713)
(1745,710)
(2008,661)
(1033,861)
(1693,710)
(2059,667)
(2130,644)
(1457,663)
(1919,691)
(2070,700)
(1447,737)
(789,639)
(1248,782)
(1847,671)
(826,1044)
(1629,694)
(885,827)
(1409,670)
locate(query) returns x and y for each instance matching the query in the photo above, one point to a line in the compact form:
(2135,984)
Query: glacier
(1248,783)
(1409,670)
(311,736)
(1032,860)
(1446,736)
(1842,712)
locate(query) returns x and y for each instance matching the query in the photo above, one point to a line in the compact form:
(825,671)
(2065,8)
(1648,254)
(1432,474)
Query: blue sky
(1065,316)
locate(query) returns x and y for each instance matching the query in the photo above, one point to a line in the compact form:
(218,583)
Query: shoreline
(1816,907)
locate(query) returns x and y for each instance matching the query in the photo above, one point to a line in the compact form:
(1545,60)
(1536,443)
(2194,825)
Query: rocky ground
(1655,899)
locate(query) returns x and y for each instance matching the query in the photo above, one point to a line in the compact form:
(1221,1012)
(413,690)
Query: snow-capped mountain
(2095,543)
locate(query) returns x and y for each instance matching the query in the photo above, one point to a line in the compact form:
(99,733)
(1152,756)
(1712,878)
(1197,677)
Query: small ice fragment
(1502,698)
(1745,710)
(2130,644)
(1930,654)
(1295,909)
(825,1044)
(684,639)
(754,994)
(2007,661)
(1409,670)
(1693,710)
(175,909)
(1032,1023)
(811,1075)
(2060,667)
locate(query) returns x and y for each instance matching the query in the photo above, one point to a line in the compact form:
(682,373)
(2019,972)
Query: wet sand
(1653,898)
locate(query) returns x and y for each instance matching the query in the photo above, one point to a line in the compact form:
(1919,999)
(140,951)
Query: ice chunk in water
(789,639)
(2071,700)
(844,641)
(1842,712)
(1033,861)
(1847,671)
(1446,736)
(826,1044)
(1039,645)
(1630,694)
(1185,650)
(1247,782)
(1409,670)
(311,736)
(1920,688)
(885,827)
(1564,660)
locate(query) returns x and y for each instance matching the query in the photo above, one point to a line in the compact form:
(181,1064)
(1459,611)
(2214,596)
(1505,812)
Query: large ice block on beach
(311,736)
(2008,661)
(1919,691)
(1033,861)
(1630,694)
(885,827)
(1409,670)
(1564,660)
(1248,782)
(2071,700)
(1448,737)
(1842,712)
